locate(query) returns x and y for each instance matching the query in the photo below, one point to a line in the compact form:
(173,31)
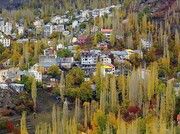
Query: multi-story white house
(85,14)
(58,28)
(146,44)
(121,54)
(95,13)
(7,29)
(20,30)
(107,69)
(107,33)
(66,62)
(75,24)
(48,29)
(104,11)
(60,46)
(6,42)
(104,59)
(89,59)
(1,23)
(37,75)
(56,19)
(38,23)
(10,73)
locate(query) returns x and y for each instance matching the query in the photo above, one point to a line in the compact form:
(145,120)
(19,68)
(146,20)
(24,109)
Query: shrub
(19,109)
(6,112)
(9,126)
(16,131)
(3,124)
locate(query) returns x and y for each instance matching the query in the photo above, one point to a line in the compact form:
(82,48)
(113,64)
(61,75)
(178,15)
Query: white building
(75,24)
(48,29)
(107,33)
(6,42)
(146,44)
(104,59)
(56,19)
(107,69)
(37,75)
(20,30)
(1,23)
(89,59)
(85,14)
(104,11)
(60,46)
(58,28)
(7,29)
(38,23)
(122,55)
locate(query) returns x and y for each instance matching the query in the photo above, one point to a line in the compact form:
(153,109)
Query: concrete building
(58,28)
(20,30)
(107,69)
(89,59)
(107,33)
(48,29)
(60,46)
(47,61)
(10,73)
(34,73)
(121,54)
(104,59)
(146,44)
(1,23)
(7,29)
(6,42)
(66,62)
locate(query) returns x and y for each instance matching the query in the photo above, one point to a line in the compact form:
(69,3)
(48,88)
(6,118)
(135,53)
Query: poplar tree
(34,93)
(25,53)
(121,86)
(98,79)
(86,111)
(113,95)
(62,86)
(112,39)
(35,50)
(177,40)
(23,124)
(77,109)
(54,120)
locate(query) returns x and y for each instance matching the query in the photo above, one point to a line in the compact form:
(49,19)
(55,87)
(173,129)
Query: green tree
(98,79)
(64,53)
(6,54)
(54,71)
(2,48)
(69,81)
(85,91)
(78,75)
(27,81)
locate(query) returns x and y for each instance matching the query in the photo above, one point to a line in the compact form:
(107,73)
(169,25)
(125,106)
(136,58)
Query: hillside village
(117,62)
(59,24)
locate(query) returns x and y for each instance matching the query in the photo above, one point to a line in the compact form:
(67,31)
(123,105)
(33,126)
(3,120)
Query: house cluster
(63,23)
(7,29)
(89,60)
(69,24)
